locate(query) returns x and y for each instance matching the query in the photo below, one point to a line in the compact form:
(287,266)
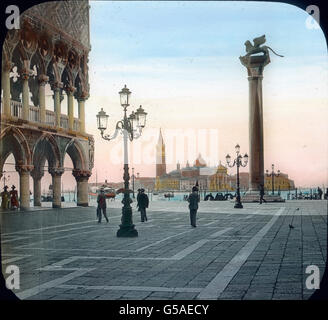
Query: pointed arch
(76,152)
(13,141)
(46,148)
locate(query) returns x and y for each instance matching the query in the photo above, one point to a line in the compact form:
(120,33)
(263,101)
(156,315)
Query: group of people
(142,204)
(9,199)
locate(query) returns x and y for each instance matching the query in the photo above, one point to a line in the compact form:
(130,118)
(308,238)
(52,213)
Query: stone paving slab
(248,253)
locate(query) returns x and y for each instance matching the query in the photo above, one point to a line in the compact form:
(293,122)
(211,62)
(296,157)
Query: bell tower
(160,156)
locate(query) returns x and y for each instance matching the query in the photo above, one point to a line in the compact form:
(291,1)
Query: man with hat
(193,200)
(101,200)
(14,198)
(143,202)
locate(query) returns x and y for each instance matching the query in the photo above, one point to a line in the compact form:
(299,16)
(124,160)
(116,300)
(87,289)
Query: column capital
(255,65)
(43,79)
(37,174)
(56,86)
(24,168)
(70,90)
(7,65)
(26,73)
(81,175)
(56,171)
(82,96)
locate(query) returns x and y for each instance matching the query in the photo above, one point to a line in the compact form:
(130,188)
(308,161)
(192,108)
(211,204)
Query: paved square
(249,253)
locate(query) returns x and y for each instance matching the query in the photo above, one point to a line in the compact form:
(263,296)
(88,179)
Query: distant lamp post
(131,128)
(238,162)
(272,175)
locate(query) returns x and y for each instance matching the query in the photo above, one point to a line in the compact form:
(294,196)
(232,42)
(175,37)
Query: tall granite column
(255,66)
(82,177)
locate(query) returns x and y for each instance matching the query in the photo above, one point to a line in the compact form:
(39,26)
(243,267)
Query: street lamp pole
(272,175)
(133,182)
(238,163)
(131,128)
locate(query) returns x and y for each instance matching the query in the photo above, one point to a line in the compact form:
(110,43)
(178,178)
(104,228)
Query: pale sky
(181,62)
(180,59)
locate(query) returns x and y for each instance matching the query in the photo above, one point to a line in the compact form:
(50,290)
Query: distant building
(281,182)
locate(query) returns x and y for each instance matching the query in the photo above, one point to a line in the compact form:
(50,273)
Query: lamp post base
(238,205)
(127,231)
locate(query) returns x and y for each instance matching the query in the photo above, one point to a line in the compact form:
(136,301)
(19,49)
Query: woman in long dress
(14,198)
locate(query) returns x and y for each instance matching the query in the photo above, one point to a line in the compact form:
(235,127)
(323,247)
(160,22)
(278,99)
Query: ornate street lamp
(239,163)
(272,175)
(131,128)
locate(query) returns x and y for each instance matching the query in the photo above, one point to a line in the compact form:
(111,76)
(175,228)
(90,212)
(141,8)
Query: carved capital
(24,168)
(81,175)
(255,64)
(56,171)
(70,90)
(43,79)
(37,174)
(56,86)
(7,65)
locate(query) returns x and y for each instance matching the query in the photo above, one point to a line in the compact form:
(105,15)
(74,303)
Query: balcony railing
(16,111)
(76,125)
(50,118)
(34,114)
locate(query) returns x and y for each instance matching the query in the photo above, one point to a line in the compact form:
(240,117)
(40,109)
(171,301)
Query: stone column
(56,174)
(81,102)
(70,107)
(82,177)
(37,175)
(24,185)
(57,107)
(255,66)
(43,79)
(6,88)
(25,95)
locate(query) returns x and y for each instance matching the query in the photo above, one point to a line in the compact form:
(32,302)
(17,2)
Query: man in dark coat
(262,194)
(143,203)
(193,205)
(101,199)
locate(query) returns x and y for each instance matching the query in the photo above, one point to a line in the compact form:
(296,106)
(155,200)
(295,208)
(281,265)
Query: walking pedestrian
(101,208)
(14,198)
(5,198)
(262,194)
(193,200)
(143,203)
